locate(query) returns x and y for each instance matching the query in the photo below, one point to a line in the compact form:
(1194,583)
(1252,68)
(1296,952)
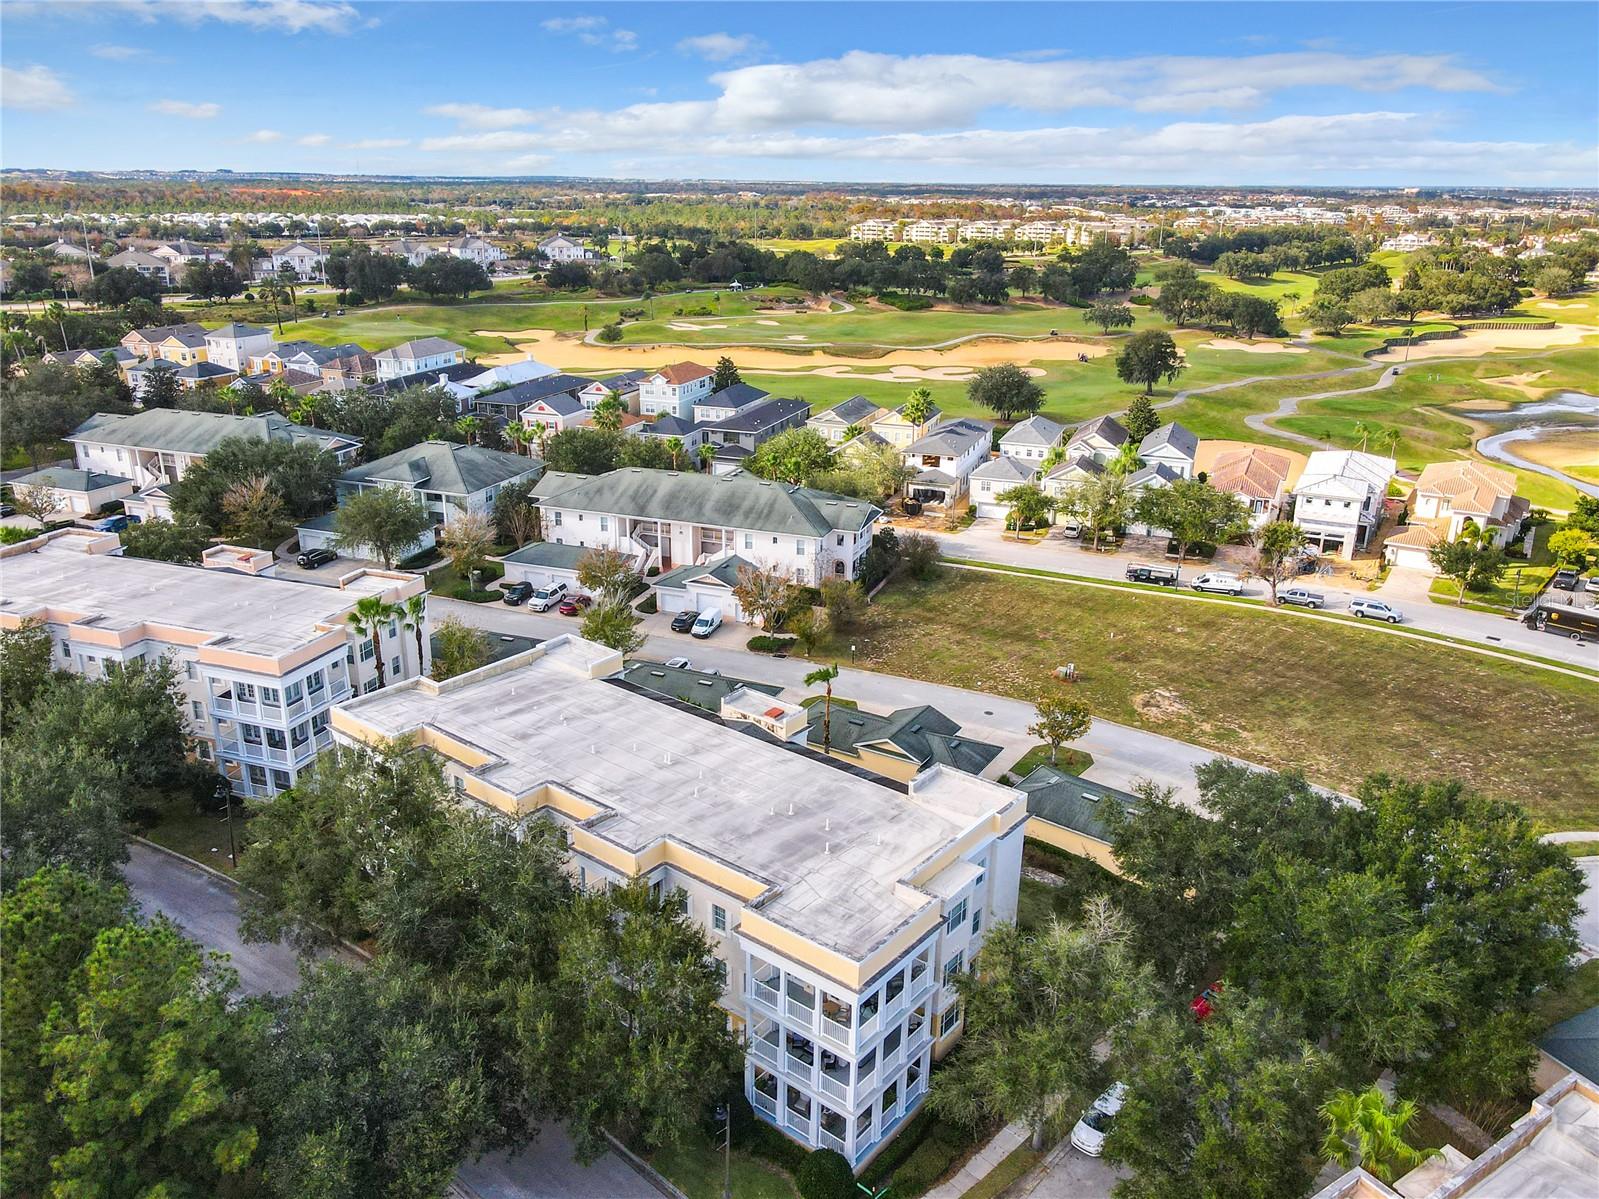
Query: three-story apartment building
(261,660)
(842,906)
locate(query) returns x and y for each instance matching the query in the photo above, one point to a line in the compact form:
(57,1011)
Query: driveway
(1588,922)
(1066,1173)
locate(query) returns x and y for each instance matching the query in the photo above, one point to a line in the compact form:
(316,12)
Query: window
(293,693)
(605,524)
(269,695)
(367,653)
(840,539)
(246,693)
(189,671)
(315,684)
(557,520)
(258,776)
(977,921)
(205,752)
(953,967)
(276,739)
(66,648)
(799,547)
(396,667)
(194,706)
(280,780)
(718,917)
(749,544)
(721,972)
(369,687)
(949,1021)
(957,917)
(394,629)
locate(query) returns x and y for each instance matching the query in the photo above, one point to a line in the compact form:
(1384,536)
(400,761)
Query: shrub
(825,1175)
(845,603)
(648,605)
(1142,301)
(920,554)
(610,333)
(759,1139)
(904,303)
(765,644)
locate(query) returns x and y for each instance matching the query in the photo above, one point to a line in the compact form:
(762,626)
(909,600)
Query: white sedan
(1089,1133)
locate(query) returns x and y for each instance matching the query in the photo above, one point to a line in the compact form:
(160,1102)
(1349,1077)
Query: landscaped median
(1325,695)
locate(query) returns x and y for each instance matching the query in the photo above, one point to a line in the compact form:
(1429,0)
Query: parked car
(7,510)
(545,598)
(680,663)
(1089,1133)
(1376,610)
(1222,581)
(573,605)
(1142,572)
(311,559)
(1301,596)
(1203,1004)
(684,620)
(1564,580)
(709,621)
(517,592)
(114,524)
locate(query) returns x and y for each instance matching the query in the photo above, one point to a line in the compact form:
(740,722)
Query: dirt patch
(1253,347)
(1522,383)
(571,352)
(1486,341)
(1161,704)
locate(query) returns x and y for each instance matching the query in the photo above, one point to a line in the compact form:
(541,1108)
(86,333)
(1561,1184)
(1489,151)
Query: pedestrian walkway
(981,1163)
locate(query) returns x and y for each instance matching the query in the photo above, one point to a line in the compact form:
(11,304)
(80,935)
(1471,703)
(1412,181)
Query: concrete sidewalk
(982,1163)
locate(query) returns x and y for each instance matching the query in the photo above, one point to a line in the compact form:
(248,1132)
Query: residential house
(193,375)
(1339,497)
(474,249)
(855,412)
(626,385)
(451,479)
(1571,1045)
(1447,496)
(874,230)
(899,430)
(144,344)
(701,586)
(986,230)
(1552,1152)
(233,345)
(121,357)
(1070,813)
(508,403)
(508,374)
(179,253)
(347,368)
(1257,476)
(1100,439)
(1151,474)
(1042,232)
(994,478)
(260,660)
(307,262)
(751,426)
(77,493)
(674,390)
(145,264)
(415,253)
(295,354)
(667,518)
(61,248)
(930,232)
(720,405)
(557,412)
(945,459)
(843,907)
(413,357)
(664,428)
(1032,440)
(690,686)
(298,381)
(546,563)
(900,745)
(459,380)
(1172,446)
(184,346)
(158,445)
(560,248)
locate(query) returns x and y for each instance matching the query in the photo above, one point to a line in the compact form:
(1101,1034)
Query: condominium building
(843,906)
(931,231)
(1044,232)
(874,230)
(986,230)
(261,660)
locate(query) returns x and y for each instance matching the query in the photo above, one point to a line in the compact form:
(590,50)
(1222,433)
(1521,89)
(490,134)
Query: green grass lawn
(1068,760)
(202,836)
(1578,995)
(1338,701)
(1580,849)
(1017,1162)
(696,1168)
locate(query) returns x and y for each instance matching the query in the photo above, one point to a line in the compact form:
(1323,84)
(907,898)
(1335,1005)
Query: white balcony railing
(221,703)
(832,1087)
(800,1011)
(230,748)
(324,739)
(297,709)
(890,1059)
(766,1051)
(764,993)
(829,1141)
(836,1032)
(799,1125)
(764,1104)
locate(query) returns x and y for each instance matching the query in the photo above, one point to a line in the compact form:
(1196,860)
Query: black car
(7,510)
(1564,580)
(516,593)
(311,559)
(684,621)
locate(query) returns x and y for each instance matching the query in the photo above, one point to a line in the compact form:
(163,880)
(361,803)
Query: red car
(1203,1004)
(573,605)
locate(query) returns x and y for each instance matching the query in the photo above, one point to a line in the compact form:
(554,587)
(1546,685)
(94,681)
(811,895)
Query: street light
(724,1113)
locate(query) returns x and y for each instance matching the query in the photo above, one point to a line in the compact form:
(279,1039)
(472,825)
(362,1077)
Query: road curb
(646,1171)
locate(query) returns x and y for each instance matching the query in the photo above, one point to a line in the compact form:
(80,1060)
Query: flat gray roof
(831,845)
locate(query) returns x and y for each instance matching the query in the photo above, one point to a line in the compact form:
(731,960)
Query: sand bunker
(1253,347)
(1553,304)
(690,327)
(901,374)
(764,322)
(1486,341)
(1562,451)
(572,353)
(1522,383)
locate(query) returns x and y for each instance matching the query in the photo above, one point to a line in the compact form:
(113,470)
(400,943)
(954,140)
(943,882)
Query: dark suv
(311,559)
(684,621)
(516,593)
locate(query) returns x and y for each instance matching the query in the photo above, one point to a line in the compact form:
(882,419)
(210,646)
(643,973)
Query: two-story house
(668,518)
(674,390)
(475,249)
(945,459)
(260,660)
(145,264)
(413,357)
(626,386)
(307,262)
(843,908)
(900,430)
(1173,447)
(1032,440)
(145,344)
(1448,496)
(1256,475)
(857,412)
(1100,439)
(451,479)
(994,478)
(560,248)
(720,405)
(557,393)
(1338,499)
(741,434)
(233,345)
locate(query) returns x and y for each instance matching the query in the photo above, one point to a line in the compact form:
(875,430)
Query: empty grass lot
(1338,702)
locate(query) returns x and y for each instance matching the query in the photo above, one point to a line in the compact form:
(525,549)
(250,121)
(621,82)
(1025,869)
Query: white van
(1221,581)
(710,620)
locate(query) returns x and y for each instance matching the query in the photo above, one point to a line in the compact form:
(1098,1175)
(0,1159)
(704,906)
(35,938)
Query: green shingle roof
(1071,802)
(923,735)
(1575,1043)
(68,479)
(179,432)
(444,466)
(723,570)
(549,553)
(691,686)
(734,501)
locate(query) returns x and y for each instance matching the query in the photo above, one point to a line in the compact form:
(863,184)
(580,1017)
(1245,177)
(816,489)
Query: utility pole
(724,1113)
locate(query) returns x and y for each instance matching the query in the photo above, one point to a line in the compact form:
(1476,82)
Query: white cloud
(117,53)
(498,142)
(269,16)
(315,139)
(719,47)
(592,31)
(378,143)
(202,111)
(481,116)
(265,135)
(36,88)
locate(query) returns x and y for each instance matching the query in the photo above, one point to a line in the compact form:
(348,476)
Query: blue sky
(1349,93)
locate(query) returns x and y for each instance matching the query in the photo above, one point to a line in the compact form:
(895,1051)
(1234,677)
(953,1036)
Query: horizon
(1489,95)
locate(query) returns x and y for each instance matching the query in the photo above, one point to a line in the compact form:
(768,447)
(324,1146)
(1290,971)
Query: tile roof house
(899,430)
(673,518)
(900,745)
(855,411)
(1257,476)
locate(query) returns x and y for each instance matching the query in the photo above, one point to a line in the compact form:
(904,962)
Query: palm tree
(468,427)
(705,453)
(273,289)
(370,614)
(825,674)
(1363,431)
(1389,440)
(282,394)
(541,434)
(305,410)
(518,435)
(1372,1127)
(413,615)
(674,449)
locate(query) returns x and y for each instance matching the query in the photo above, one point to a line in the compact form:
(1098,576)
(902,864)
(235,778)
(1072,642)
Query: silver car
(1375,609)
